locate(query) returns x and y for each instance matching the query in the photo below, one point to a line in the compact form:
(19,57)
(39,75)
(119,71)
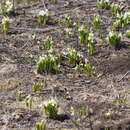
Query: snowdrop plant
(51,108)
(40,125)
(74,57)
(127,18)
(77,25)
(116,8)
(103,4)
(89,69)
(29,101)
(121,100)
(91,49)
(37,87)
(122,20)
(83,34)
(43,16)
(91,44)
(67,21)
(127,34)
(48,43)
(118,24)
(80,68)
(68,32)
(109,114)
(6,7)
(114,39)
(5,25)
(48,64)
(97,22)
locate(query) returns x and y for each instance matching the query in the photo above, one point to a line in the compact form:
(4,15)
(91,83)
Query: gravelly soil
(18,56)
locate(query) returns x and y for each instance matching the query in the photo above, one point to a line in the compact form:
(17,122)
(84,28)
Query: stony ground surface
(18,57)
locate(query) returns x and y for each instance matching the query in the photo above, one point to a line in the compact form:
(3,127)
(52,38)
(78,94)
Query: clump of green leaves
(40,125)
(90,70)
(6,7)
(121,100)
(109,114)
(51,108)
(19,95)
(48,43)
(122,20)
(91,44)
(67,21)
(77,25)
(114,39)
(48,64)
(127,34)
(68,32)
(127,18)
(97,22)
(83,35)
(116,8)
(29,101)
(5,25)
(86,37)
(80,68)
(118,24)
(43,16)
(103,4)
(74,57)
(37,87)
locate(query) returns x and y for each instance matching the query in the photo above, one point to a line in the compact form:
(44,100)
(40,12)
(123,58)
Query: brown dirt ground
(18,56)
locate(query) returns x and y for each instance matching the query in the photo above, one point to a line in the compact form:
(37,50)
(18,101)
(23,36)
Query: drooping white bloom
(110,34)
(51,101)
(8,6)
(43,13)
(5,20)
(91,35)
(81,28)
(127,14)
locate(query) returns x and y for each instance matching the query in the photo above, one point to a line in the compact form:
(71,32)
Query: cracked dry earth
(18,56)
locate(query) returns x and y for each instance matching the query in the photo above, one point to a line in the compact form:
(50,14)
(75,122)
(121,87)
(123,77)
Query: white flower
(110,34)
(127,14)
(68,31)
(90,37)
(43,13)
(5,20)
(9,6)
(51,101)
(120,35)
(42,58)
(81,28)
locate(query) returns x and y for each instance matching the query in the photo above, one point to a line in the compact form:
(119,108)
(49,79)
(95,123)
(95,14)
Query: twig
(123,76)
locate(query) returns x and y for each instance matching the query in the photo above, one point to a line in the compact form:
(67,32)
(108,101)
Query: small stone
(88,81)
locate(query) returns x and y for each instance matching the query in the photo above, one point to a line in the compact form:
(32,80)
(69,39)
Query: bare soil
(19,55)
